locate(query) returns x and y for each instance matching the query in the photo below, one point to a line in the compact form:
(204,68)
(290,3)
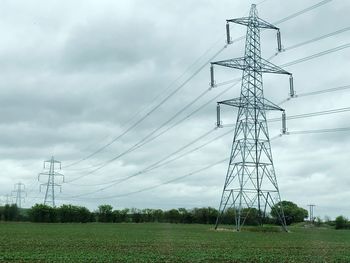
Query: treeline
(205,215)
(106,214)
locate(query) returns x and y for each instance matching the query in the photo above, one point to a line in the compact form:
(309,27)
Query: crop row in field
(28,242)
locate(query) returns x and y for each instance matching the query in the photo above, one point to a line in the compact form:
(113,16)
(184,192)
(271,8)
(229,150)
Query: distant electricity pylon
(7,199)
(251,181)
(51,182)
(19,194)
(311,213)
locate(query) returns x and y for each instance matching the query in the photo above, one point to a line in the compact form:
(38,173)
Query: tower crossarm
(54,161)
(247,63)
(255,21)
(268,67)
(262,103)
(237,63)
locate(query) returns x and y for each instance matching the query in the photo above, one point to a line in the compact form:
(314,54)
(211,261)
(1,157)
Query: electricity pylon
(311,213)
(19,194)
(51,183)
(250,180)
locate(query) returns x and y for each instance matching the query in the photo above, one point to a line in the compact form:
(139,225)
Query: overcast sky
(76,74)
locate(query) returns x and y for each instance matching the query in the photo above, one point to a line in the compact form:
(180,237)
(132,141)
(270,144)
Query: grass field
(28,242)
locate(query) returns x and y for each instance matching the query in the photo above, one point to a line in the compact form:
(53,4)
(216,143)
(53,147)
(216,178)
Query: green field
(30,242)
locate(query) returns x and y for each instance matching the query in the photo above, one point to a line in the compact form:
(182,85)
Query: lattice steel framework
(18,194)
(51,184)
(251,181)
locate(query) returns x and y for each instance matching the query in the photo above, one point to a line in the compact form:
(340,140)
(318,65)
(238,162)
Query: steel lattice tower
(19,193)
(51,184)
(251,181)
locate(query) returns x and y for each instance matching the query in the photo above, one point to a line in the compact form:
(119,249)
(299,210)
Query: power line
(137,146)
(284,65)
(302,11)
(175,124)
(318,38)
(270,120)
(227,133)
(317,92)
(172,126)
(314,114)
(147,140)
(174,179)
(184,83)
(305,115)
(159,164)
(156,164)
(323,1)
(141,142)
(153,167)
(151,111)
(212,165)
(344,129)
(328,51)
(167,182)
(143,118)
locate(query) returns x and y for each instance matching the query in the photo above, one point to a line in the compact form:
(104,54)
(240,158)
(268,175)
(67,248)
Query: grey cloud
(74,74)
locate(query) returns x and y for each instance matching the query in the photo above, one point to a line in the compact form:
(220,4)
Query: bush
(341,222)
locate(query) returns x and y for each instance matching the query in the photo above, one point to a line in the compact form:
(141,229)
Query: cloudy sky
(77,74)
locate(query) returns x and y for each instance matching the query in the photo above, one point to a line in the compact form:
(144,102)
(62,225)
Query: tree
(11,212)
(228,216)
(251,216)
(136,215)
(158,215)
(205,215)
(185,216)
(84,215)
(70,213)
(172,216)
(292,213)
(105,213)
(43,213)
(148,215)
(341,222)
